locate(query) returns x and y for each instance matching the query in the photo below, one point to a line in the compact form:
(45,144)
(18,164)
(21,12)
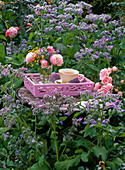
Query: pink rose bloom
(97,86)
(106,80)
(30,57)
(109,70)
(104,72)
(114,68)
(12,32)
(109,86)
(122,81)
(103,89)
(44,63)
(50,48)
(56,59)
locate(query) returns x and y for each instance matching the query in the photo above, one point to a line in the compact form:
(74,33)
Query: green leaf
(17,59)
(79,151)
(77,114)
(31,36)
(100,151)
(115,163)
(37,167)
(84,157)
(81,168)
(68,163)
(3,37)
(93,67)
(122,45)
(43,121)
(63,118)
(2,52)
(90,132)
(60,47)
(17,83)
(3,152)
(4,129)
(41,161)
(84,142)
(4,87)
(9,163)
(45,149)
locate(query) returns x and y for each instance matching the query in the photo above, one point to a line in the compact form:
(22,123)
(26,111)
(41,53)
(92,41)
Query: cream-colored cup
(68,74)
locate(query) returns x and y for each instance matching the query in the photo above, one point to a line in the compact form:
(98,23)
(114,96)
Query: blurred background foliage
(116,8)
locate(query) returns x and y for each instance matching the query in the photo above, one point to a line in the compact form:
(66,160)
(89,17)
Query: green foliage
(68,163)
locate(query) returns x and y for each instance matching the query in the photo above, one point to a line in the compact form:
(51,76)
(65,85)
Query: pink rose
(103,89)
(30,57)
(106,80)
(12,32)
(56,59)
(109,86)
(122,81)
(44,63)
(97,86)
(114,68)
(109,70)
(106,88)
(104,72)
(50,48)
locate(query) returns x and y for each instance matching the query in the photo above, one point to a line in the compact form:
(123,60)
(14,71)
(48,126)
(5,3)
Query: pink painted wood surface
(39,90)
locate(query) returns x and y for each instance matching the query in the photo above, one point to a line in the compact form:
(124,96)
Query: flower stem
(11,79)
(35,124)
(57,153)
(47,163)
(55,140)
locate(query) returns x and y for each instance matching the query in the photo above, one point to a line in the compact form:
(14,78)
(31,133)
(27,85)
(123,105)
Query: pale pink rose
(114,68)
(109,70)
(50,48)
(97,86)
(59,64)
(30,57)
(103,89)
(12,32)
(122,81)
(104,72)
(44,63)
(109,86)
(56,59)
(106,80)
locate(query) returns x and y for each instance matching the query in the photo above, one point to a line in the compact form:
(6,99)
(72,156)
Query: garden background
(90,36)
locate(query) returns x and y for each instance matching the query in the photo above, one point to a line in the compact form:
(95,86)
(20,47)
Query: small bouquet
(43,60)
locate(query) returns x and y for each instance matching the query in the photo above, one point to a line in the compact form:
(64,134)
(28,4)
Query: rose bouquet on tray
(42,60)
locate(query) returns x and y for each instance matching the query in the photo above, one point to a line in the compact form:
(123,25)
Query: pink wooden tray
(39,90)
